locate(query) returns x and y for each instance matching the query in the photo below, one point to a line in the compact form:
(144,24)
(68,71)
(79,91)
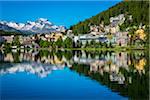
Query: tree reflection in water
(124,72)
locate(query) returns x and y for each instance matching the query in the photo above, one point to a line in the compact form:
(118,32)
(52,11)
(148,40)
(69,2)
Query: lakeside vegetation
(68,44)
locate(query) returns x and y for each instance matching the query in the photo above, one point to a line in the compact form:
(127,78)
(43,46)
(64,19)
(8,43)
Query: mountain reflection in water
(126,73)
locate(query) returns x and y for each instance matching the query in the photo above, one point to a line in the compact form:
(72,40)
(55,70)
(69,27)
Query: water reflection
(124,72)
(41,70)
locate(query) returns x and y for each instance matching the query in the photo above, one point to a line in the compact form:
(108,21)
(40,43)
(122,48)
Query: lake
(74,75)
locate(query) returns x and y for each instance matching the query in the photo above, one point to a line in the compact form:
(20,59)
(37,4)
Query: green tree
(44,44)
(68,43)
(59,42)
(16,41)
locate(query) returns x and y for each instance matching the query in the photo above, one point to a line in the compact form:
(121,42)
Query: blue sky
(58,12)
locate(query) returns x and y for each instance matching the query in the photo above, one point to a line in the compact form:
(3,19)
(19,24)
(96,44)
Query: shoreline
(86,49)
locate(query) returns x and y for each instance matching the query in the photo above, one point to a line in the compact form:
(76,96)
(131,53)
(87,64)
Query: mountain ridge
(41,25)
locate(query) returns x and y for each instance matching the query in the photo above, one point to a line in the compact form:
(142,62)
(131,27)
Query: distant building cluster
(107,34)
(29,41)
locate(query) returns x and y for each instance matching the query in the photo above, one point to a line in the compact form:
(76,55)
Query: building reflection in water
(98,61)
(120,71)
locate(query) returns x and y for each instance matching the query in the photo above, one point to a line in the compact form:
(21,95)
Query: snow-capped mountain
(7,28)
(41,25)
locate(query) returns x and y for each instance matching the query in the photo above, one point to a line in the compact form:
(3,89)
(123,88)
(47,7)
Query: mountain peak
(42,19)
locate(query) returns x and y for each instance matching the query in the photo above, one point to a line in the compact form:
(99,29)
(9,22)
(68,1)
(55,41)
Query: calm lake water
(78,75)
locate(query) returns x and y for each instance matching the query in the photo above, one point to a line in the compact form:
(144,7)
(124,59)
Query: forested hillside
(138,9)
(8,33)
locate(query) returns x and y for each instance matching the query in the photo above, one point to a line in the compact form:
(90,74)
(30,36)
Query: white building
(118,20)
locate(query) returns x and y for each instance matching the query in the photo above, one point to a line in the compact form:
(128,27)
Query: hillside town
(111,35)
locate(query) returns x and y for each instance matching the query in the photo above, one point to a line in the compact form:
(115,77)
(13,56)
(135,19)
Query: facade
(9,39)
(122,38)
(114,29)
(90,37)
(52,37)
(118,20)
